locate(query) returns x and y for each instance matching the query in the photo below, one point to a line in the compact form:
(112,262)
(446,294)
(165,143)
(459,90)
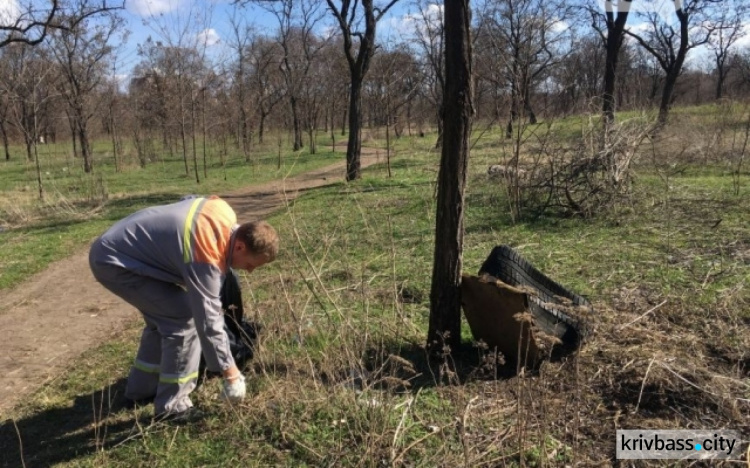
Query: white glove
(234,390)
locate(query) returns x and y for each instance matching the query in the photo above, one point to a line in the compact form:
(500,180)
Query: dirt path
(61,312)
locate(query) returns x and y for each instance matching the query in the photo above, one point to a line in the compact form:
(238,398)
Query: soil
(56,315)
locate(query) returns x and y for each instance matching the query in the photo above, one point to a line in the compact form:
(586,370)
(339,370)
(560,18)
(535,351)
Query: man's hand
(231,373)
(233,388)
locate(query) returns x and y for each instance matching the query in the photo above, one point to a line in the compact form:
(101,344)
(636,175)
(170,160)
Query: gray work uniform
(169,262)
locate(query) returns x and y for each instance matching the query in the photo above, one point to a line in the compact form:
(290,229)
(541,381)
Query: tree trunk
(192,138)
(113,134)
(721,77)
(527,105)
(204,133)
(182,128)
(244,134)
(613,43)
(6,144)
(674,72)
(73,137)
(445,295)
(261,126)
(83,137)
(354,147)
(344,117)
(296,125)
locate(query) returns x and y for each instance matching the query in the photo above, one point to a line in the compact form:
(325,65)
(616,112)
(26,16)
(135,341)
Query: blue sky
(207,22)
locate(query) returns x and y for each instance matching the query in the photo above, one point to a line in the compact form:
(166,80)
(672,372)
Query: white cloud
(560,26)
(744,41)
(9,12)
(414,24)
(147,8)
(208,37)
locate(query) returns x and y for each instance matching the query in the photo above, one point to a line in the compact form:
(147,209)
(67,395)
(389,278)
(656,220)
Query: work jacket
(186,243)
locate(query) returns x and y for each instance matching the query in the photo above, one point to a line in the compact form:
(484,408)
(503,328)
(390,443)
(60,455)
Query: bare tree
(178,66)
(445,295)
(349,16)
(4,107)
(32,24)
(429,38)
(613,39)
(580,76)
(82,54)
(27,88)
(267,84)
(669,42)
(528,36)
(297,21)
(241,43)
(391,86)
(729,23)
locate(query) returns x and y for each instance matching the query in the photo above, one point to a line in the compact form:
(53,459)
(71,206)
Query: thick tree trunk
(721,76)
(354,146)
(613,44)
(666,95)
(674,71)
(445,295)
(527,105)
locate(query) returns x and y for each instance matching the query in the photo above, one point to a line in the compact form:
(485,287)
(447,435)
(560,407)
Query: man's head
(256,244)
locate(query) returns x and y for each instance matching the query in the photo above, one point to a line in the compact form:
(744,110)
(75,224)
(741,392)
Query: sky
(208,22)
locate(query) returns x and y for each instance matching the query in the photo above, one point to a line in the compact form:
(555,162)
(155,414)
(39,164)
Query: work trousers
(166,366)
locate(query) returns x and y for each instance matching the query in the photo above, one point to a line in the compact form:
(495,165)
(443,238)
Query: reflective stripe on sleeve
(187,253)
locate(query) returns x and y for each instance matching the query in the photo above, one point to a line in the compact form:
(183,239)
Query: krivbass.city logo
(679,444)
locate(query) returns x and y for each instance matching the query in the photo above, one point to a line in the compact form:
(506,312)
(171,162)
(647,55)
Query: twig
(400,426)
(20,443)
(464,442)
(643,384)
(669,369)
(642,315)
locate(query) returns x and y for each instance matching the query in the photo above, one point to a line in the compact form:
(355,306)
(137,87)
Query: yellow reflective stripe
(168,378)
(186,230)
(146,367)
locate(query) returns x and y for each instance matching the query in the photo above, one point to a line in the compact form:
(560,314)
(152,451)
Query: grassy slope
(348,298)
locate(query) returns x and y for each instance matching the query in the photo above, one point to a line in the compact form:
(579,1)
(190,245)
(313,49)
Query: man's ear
(239,246)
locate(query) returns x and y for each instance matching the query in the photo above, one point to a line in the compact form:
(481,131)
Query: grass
(340,377)
(77,207)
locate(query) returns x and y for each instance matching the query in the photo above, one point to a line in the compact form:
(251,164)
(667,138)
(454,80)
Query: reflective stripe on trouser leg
(144,375)
(165,306)
(181,352)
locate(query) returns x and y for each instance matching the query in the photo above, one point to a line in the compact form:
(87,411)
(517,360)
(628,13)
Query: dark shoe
(188,416)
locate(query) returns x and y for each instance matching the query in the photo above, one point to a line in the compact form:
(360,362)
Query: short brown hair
(260,237)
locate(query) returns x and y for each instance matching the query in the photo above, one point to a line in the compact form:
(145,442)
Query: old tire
(547,302)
